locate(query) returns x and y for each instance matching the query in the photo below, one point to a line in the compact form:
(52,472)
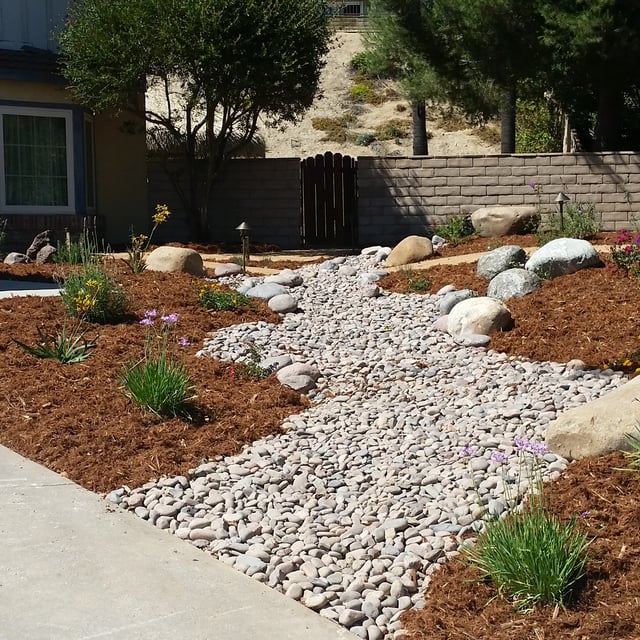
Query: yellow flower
(92,284)
(627,363)
(605,366)
(83,302)
(162,214)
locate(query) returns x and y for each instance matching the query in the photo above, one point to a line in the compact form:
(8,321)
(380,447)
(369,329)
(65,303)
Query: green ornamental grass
(530,555)
(159,382)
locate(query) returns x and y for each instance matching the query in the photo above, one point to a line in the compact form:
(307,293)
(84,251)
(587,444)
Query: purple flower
(150,313)
(468,451)
(536,448)
(147,322)
(184,341)
(172,318)
(532,184)
(499,457)
(584,514)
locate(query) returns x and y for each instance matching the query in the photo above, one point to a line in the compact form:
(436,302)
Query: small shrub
(418,284)
(489,134)
(94,296)
(215,297)
(365,139)
(360,92)
(625,252)
(629,364)
(538,127)
(250,369)
(336,129)
(578,221)
(68,346)
(392,129)
(159,382)
(456,229)
(401,107)
(359,62)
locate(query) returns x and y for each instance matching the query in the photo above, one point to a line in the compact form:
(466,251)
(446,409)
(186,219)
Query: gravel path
(351,508)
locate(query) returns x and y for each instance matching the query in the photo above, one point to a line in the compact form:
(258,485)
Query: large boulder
(500,259)
(46,254)
(493,222)
(598,427)
(563,256)
(227,269)
(175,260)
(411,249)
(481,315)
(283,303)
(513,283)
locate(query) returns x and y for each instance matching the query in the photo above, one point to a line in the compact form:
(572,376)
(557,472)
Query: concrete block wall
(264,193)
(404,196)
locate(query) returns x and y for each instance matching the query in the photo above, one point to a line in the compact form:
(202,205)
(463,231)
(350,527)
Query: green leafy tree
(218,65)
(592,44)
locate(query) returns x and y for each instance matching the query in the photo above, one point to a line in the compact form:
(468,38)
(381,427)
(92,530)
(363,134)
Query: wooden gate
(329,201)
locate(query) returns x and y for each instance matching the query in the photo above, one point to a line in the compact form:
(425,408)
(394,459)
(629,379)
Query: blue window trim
(77,137)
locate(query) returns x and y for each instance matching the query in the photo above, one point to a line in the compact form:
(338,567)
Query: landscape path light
(561,198)
(244,229)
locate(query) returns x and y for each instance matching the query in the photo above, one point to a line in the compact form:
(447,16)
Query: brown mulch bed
(73,419)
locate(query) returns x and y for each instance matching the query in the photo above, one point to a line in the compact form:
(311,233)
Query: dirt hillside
(334,102)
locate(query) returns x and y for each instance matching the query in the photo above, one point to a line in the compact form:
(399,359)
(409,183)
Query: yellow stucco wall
(121,176)
(120,161)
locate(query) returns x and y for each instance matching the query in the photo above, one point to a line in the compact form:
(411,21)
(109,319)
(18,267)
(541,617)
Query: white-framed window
(36,160)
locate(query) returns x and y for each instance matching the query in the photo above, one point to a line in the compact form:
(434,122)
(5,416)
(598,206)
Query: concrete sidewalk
(73,567)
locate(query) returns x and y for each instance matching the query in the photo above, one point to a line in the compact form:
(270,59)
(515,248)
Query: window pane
(35,160)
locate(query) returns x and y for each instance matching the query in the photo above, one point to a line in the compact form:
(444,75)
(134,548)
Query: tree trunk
(419,122)
(508,121)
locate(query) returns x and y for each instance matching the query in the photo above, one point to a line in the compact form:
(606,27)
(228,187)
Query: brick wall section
(263,193)
(405,196)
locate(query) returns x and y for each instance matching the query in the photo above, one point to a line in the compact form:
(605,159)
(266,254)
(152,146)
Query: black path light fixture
(244,229)
(560,199)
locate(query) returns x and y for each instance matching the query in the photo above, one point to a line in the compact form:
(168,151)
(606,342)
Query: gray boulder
(16,258)
(481,315)
(175,260)
(45,254)
(452,298)
(227,269)
(266,290)
(563,256)
(513,283)
(598,427)
(283,303)
(371,291)
(493,222)
(287,278)
(500,259)
(42,239)
(275,363)
(411,249)
(299,376)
